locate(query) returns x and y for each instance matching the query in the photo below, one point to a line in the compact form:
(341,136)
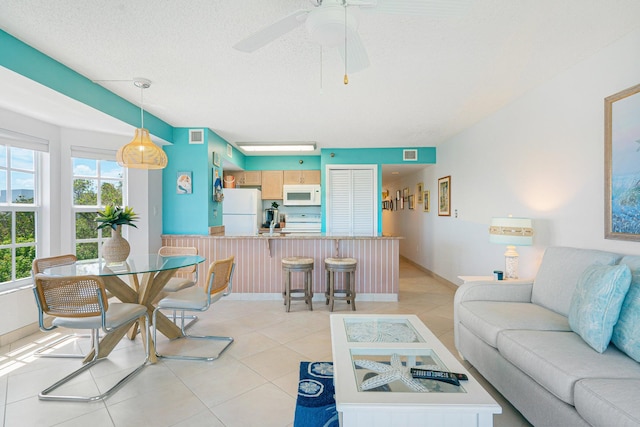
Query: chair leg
(41,352)
(45,394)
(229,341)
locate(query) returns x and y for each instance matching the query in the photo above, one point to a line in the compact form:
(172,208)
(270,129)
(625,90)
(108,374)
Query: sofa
(563,348)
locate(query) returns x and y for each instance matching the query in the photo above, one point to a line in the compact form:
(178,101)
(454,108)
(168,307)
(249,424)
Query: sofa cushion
(626,333)
(595,306)
(607,402)
(557,360)
(487,318)
(559,272)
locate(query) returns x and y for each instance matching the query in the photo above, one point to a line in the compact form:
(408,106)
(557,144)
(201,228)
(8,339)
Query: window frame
(99,156)
(13,208)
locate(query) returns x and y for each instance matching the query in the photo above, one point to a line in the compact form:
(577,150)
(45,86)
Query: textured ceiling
(430,77)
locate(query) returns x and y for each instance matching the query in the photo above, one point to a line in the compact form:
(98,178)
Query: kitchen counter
(258,273)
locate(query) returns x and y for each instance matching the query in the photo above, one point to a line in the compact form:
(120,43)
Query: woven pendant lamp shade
(141,153)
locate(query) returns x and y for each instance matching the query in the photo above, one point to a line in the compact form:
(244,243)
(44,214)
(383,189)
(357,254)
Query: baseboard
(316,297)
(13,336)
(430,273)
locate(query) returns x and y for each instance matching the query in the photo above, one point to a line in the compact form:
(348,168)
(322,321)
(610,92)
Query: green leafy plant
(275,205)
(113,216)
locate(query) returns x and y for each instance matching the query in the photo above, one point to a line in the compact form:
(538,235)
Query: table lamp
(511,232)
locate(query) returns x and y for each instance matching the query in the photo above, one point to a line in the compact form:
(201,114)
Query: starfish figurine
(388,374)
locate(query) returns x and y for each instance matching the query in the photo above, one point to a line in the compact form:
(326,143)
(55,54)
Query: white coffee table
(375,338)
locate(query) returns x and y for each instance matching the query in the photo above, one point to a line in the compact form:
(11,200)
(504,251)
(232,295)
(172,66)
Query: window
(96,183)
(19,214)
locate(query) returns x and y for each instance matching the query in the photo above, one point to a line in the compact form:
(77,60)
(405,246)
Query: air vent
(410,155)
(196,136)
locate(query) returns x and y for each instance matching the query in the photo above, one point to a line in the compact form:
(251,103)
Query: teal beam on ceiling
(35,65)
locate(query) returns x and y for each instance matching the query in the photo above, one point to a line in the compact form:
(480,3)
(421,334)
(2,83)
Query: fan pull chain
(346,78)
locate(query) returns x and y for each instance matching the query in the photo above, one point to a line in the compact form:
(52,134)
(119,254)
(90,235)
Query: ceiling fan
(334,24)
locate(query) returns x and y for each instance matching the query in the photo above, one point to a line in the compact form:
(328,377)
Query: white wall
(542,157)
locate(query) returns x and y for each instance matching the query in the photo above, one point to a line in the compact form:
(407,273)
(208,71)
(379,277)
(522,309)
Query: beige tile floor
(253,384)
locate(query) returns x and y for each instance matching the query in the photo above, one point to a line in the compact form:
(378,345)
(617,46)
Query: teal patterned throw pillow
(626,333)
(596,303)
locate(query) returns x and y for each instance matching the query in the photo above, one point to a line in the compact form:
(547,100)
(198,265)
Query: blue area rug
(316,404)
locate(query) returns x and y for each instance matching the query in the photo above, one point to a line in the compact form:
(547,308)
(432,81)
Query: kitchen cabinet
(302,177)
(246,178)
(272,185)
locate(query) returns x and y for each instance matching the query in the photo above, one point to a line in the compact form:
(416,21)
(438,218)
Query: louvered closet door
(351,208)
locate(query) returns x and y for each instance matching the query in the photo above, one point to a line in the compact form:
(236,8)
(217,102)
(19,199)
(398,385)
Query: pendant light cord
(142,107)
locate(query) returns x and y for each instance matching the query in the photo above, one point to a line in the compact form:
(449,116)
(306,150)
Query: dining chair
(219,284)
(188,277)
(80,302)
(38,266)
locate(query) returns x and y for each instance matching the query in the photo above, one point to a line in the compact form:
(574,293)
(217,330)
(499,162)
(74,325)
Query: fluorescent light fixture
(256,146)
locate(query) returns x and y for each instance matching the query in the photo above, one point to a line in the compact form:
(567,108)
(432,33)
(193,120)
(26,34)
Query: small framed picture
(444,196)
(397,195)
(405,193)
(216,159)
(411,201)
(229,151)
(401,201)
(184,183)
(419,190)
(426,203)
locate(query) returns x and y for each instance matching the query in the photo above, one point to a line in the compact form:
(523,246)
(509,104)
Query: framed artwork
(229,151)
(444,196)
(419,189)
(391,205)
(426,206)
(622,165)
(184,183)
(397,195)
(411,201)
(405,194)
(401,201)
(216,159)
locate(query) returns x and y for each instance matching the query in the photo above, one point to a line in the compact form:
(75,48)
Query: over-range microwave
(301,195)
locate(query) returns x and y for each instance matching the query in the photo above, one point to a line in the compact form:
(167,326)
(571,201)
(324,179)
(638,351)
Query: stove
(302,223)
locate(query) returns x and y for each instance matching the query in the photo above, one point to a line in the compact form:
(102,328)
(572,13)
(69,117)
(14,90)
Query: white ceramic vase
(116,249)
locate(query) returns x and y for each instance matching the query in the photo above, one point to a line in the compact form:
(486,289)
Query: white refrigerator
(241,211)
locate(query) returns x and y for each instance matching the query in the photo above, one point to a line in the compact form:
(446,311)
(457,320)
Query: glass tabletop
(135,264)
(365,329)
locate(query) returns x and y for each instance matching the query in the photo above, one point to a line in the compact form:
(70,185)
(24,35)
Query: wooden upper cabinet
(272,185)
(246,178)
(302,177)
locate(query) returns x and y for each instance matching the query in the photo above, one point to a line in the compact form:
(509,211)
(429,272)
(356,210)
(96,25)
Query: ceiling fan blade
(435,8)
(271,32)
(356,55)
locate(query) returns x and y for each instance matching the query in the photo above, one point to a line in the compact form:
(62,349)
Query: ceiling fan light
(141,153)
(326,25)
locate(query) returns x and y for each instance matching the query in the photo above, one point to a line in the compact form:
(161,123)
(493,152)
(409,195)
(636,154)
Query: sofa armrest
(512,291)
(508,291)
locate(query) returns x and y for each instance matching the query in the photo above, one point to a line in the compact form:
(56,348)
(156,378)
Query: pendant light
(141,152)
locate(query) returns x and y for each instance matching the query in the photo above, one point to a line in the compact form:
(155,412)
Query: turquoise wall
(276,163)
(186,213)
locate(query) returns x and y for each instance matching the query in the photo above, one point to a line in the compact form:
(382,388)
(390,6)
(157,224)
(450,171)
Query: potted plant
(115,249)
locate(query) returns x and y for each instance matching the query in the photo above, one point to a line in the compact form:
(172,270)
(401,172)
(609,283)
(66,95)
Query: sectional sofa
(563,348)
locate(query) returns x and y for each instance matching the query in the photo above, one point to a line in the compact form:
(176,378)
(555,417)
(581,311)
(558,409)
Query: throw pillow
(626,333)
(596,303)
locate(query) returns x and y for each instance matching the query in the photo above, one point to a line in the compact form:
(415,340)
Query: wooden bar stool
(341,265)
(298,265)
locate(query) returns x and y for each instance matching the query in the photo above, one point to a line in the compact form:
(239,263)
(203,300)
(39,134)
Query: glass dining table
(147,275)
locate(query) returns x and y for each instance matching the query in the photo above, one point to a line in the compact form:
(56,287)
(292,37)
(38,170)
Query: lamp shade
(511,231)
(141,153)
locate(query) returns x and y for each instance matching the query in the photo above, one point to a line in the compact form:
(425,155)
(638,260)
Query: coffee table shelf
(388,345)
